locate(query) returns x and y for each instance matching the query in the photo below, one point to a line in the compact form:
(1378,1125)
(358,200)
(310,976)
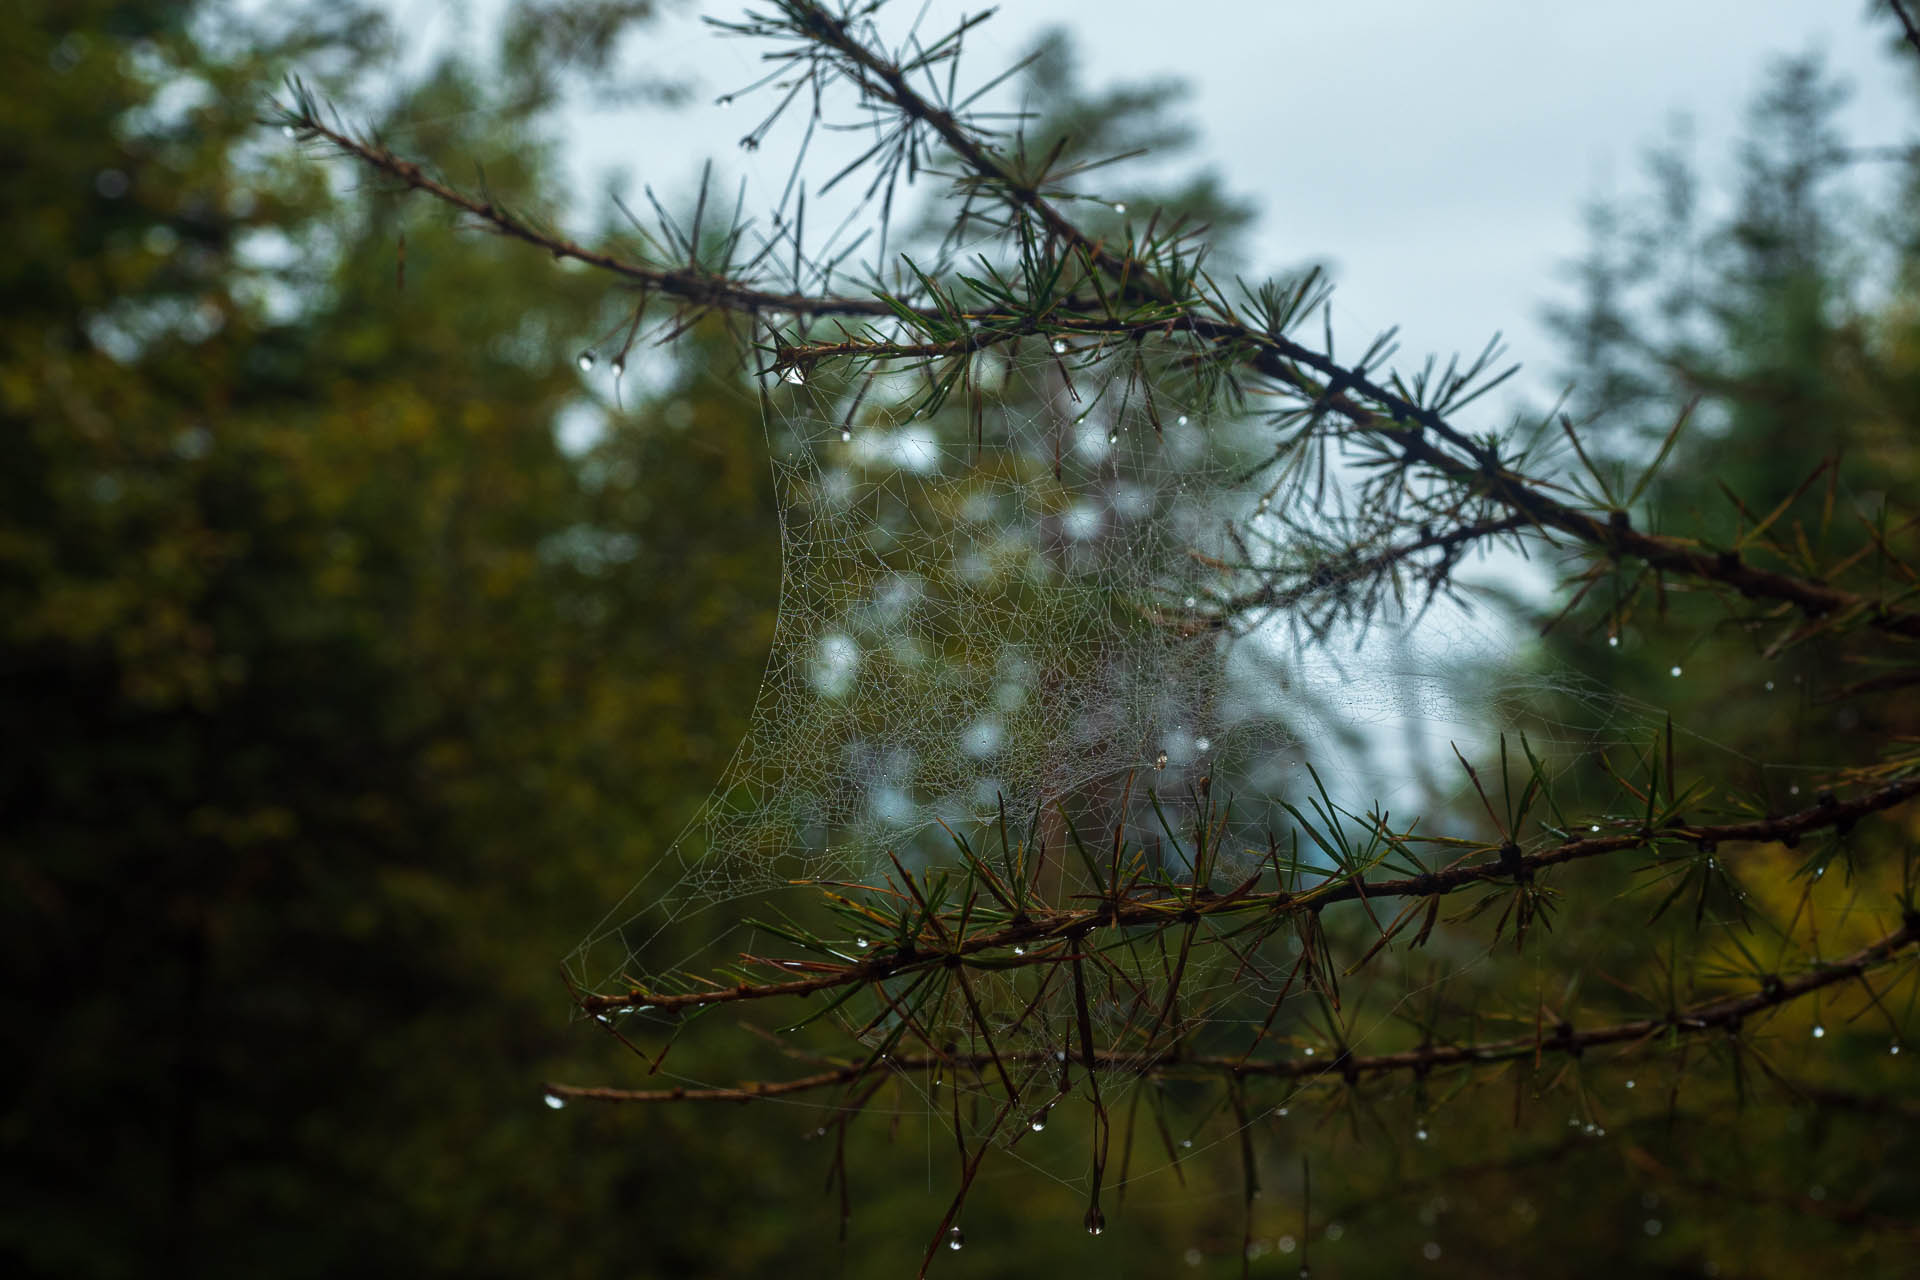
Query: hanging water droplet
(1894,1048)
(1673,671)
(1260,507)
(586,361)
(1096,1222)
(288,131)
(1186,1144)
(1160,761)
(1280,1111)
(1613,642)
(1119,208)
(1113,437)
(1769,686)
(862,943)
(793,374)
(1629,1084)
(619,366)
(1039,1120)
(1203,744)
(1192,602)
(1182,419)
(1309,1051)
(1594,827)
(725,100)
(749,143)
(1819,1032)
(846,436)
(1420,1134)
(1019,950)
(956,1239)
(1059,347)
(555,1101)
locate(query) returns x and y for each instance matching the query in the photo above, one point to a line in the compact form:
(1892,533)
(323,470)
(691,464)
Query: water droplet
(1629,1084)
(1421,1133)
(1769,686)
(956,1238)
(1894,1048)
(1119,208)
(1794,790)
(1019,950)
(1430,1251)
(1182,419)
(846,436)
(288,131)
(1192,602)
(1309,1051)
(793,374)
(1285,1244)
(586,361)
(1160,761)
(1096,1222)
(1280,1111)
(1673,671)
(1819,1032)
(1652,1227)
(1335,1231)
(555,1101)
(1594,827)
(619,366)
(1260,507)
(1613,642)
(1203,744)
(1306,1272)
(1059,347)
(1186,1144)
(1039,1120)
(862,943)
(1194,1257)
(1113,437)
(725,100)
(749,143)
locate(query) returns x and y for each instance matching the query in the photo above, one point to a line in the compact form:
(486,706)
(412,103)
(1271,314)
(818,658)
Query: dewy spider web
(1010,602)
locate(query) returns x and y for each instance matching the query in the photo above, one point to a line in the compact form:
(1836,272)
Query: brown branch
(1906,23)
(1720,1013)
(689,283)
(1274,355)
(1159,910)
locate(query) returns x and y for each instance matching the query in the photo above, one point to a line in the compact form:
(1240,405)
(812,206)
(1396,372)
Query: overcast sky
(1437,155)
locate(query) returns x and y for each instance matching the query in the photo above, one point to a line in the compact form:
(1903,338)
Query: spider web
(1016,600)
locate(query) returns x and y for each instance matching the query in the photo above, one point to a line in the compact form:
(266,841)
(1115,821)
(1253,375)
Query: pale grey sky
(1437,155)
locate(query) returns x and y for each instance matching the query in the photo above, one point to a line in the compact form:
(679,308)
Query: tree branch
(1720,1013)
